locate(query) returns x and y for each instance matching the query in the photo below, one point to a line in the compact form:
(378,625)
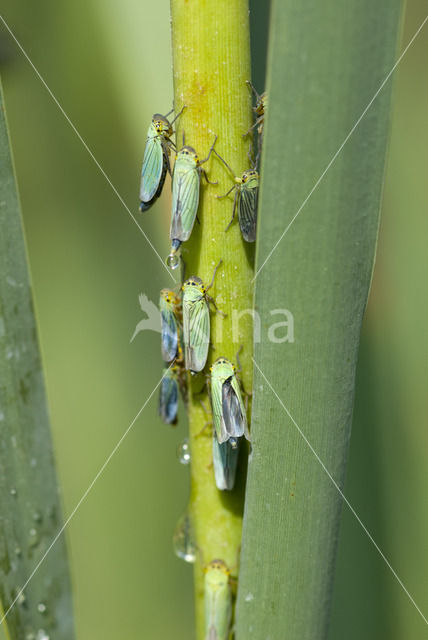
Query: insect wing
(168,397)
(169,335)
(247,212)
(153,170)
(225,460)
(196,333)
(185,200)
(234,415)
(217,408)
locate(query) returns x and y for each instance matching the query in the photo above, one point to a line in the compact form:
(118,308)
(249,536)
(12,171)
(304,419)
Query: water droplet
(34,537)
(13,492)
(30,636)
(18,551)
(42,635)
(37,517)
(41,607)
(20,597)
(183,452)
(183,540)
(173,261)
(249,597)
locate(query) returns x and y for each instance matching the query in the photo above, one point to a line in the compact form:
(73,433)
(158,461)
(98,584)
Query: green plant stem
(211,55)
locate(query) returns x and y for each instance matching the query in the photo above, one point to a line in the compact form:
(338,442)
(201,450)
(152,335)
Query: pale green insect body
(186,180)
(229,415)
(185,194)
(196,324)
(156,160)
(218,601)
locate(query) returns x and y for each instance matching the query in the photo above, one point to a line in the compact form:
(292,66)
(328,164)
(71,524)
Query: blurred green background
(109,66)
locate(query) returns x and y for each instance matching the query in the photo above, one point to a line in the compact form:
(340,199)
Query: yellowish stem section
(211,56)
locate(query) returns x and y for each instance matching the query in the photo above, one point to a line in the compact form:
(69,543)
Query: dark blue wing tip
(145,205)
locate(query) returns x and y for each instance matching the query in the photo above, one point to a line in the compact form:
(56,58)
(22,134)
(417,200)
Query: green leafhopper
(173,379)
(168,396)
(170,308)
(196,322)
(225,460)
(259,110)
(156,159)
(229,415)
(186,180)
(218,601)
(246,200)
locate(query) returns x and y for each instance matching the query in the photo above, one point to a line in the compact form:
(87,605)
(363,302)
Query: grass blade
(326,63)
(31,513)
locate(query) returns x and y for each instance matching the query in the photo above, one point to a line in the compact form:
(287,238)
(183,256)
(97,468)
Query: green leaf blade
(31,512)
(327,62)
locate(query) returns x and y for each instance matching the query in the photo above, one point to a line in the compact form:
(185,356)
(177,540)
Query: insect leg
(251,128)
(235,201)
(250,156)
(206,177)
(214,274)
(165,150)
(178,115)
(224,162)
(226,194)
(250,84)
(209,152)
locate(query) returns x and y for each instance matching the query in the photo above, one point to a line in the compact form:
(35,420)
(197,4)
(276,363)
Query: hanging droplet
(183,452)
(41,607)
(37,517)
(20,597)
(13,492)
(183,539)
(34,537)
(18,551)
(42,635)
(173,261)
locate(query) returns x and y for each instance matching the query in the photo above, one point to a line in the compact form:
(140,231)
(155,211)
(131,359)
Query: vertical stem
(211,55)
